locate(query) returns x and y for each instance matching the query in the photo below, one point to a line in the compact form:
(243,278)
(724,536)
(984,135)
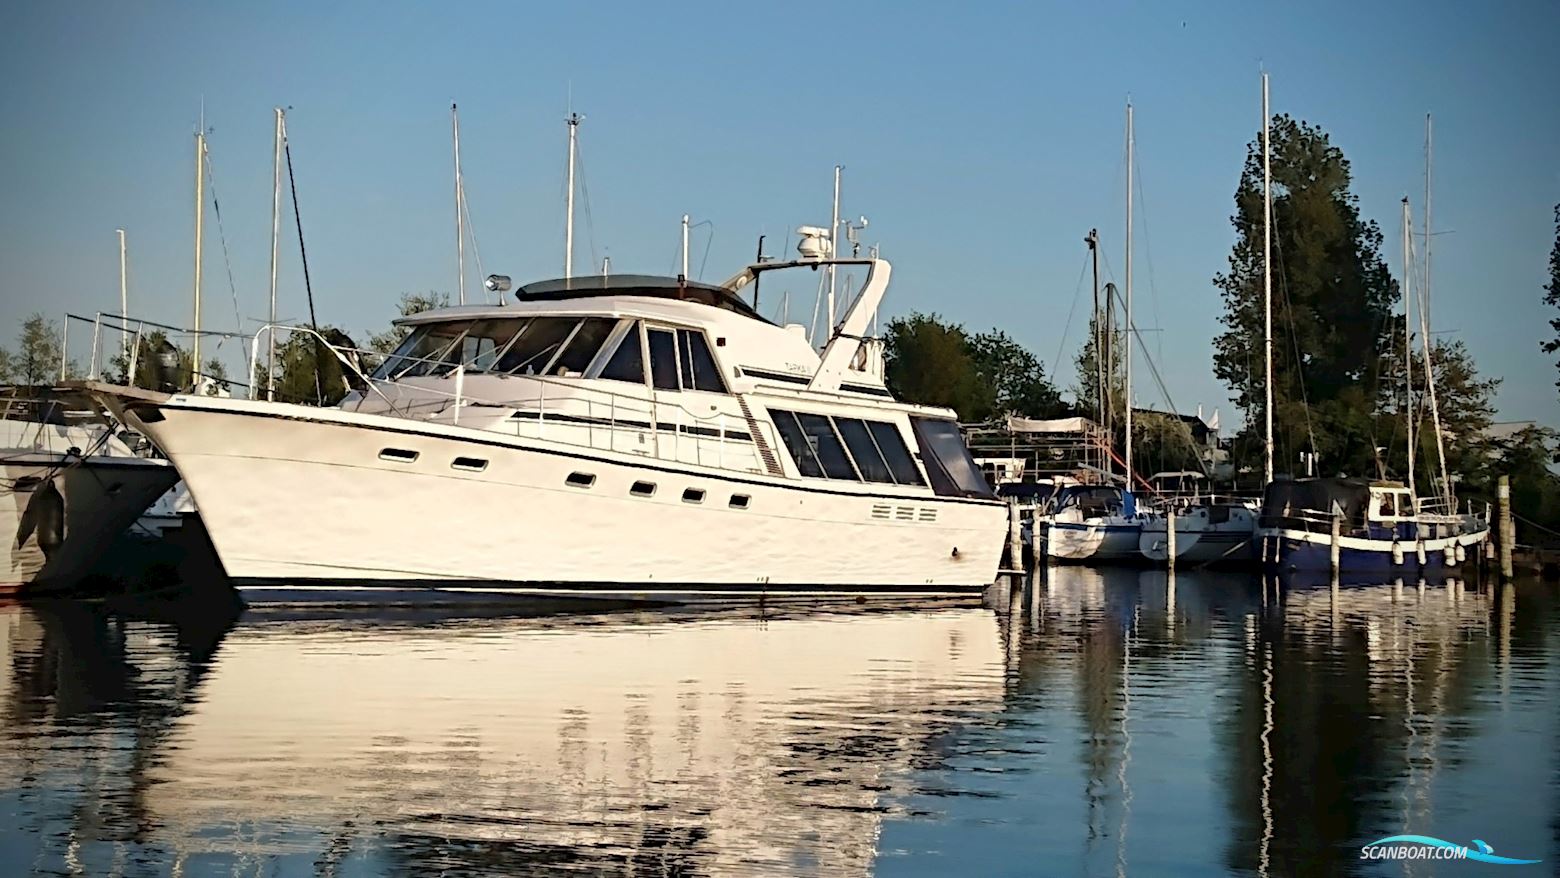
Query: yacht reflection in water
(639,743)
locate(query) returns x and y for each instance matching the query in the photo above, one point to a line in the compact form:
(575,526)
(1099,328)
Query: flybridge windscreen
(949,466)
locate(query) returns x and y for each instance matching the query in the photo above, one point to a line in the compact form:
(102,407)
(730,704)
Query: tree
(1016,376)
(159,364)
(411,303)
(38,355)
(1086,391)
(309,372)
(1163,443)
(1332,302)
(1552,294)
(7,367)
(929,362)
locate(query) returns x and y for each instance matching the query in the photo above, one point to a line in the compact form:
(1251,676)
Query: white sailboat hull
(1107,538)
(1198,540)
(308,497)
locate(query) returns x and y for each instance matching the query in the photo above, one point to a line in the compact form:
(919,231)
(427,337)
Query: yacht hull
(1287,549)
(1200,541)
(58,513)
(1111,539)
(295,498)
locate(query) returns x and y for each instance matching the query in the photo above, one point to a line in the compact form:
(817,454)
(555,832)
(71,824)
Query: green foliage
(307,371)
(1552,292)
(7,366)
(411,303)
(1332,303)
(1527,457)
(159,363)
(38,355)
(1015,375)
(1086,391)
(929,362)
(1163,443)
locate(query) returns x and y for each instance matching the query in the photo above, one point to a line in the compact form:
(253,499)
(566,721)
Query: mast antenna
(573,122)
(460,224)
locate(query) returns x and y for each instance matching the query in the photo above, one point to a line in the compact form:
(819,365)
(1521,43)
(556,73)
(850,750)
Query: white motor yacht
(620,435)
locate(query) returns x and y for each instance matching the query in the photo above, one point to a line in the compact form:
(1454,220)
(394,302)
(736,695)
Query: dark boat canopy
(1286,503)
(648,285)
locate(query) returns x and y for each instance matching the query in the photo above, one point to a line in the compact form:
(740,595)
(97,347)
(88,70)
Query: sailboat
(1100,522)
(1359,526)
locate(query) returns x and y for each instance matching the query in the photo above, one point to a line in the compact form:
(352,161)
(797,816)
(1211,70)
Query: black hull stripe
(862,388)
(775,376)
(476,588)
(488,443)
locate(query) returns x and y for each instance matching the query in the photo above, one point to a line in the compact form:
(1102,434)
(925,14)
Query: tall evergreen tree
(1332,303)
(928,362)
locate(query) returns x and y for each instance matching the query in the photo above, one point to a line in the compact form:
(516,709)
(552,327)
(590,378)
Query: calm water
(1097,724)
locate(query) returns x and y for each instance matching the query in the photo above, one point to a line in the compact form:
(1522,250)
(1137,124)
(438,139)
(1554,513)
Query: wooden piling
(1015,537)
(1335,549)
(1506,548)
(1170,538)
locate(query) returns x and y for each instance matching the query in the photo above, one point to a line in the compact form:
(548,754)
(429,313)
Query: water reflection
(1098,723)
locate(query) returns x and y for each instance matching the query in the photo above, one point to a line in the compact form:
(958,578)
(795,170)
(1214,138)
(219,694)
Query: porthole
(693,495)
(642,489)
(739,501)
(469,464)
(580,480)
(397,455)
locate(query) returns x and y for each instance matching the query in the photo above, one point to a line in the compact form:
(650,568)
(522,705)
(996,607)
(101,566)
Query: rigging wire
(590,222)
(471,231)
(1148,252)
(1067,328)
(303,254)
(216,205)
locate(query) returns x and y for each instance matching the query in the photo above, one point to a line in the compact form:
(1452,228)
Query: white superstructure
(619,435)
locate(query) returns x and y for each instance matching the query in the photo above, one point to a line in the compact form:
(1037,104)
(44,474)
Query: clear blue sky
(982,141)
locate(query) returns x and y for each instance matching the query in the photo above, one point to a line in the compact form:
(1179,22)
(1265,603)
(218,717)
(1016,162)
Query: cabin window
(699,371)
(628,361)
(530,351)
(642,489)
(470,464)
(397,455)
(796,442)
(663,359)
(827,444)
(580,480)
(693,495)
(948,462)
(428,349)
(582,347)
(485,340)
(740,501)
(869,461)
(895,453)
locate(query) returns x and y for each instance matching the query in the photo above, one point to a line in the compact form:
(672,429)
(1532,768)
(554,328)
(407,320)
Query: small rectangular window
(628,361)
(826,443)
(895,453)
(699,371)
(642,489)
(663,359)
(693,495)
(535,345)
(471,464)
(397,455)
(796,442)
(739,501)
(580,480)
(865,451)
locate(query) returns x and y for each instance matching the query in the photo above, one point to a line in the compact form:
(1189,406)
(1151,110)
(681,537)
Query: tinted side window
(796,441)
(537,343)
(895,454)
(583,346)
(699,371)
(868,461)
(953,471)
(820,435)
(627,363)
(663,359)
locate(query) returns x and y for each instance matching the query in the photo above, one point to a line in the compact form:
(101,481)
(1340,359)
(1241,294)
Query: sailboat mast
(1097,325)
(124,307)
(1129,328)
(1425,284)
(1267,286)
(460,225)
(1408,347)
(200,218)
(834,233)
(568,222)
(684,274)
(276,240)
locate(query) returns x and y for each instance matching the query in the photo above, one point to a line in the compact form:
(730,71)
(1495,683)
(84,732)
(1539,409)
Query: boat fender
(1462,554)
(1451,556)
(1397,553)
(1420,552)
